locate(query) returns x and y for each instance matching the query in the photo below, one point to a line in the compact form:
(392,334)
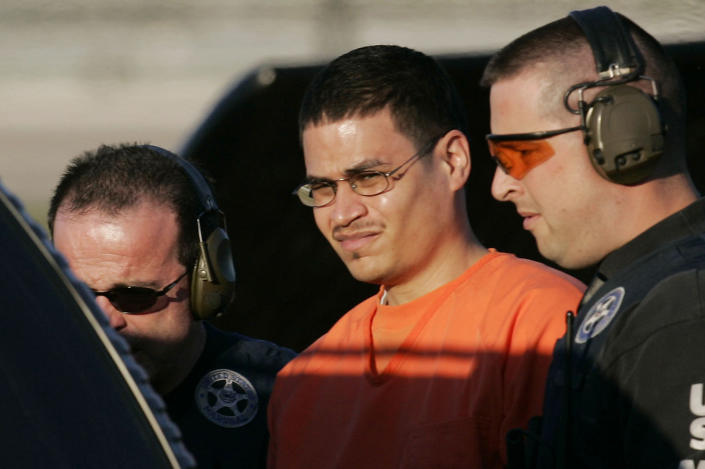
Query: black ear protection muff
(213,276)
(623,128)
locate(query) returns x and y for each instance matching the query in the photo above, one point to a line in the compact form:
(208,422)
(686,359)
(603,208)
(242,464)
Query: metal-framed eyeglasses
(136,300)
(321,192)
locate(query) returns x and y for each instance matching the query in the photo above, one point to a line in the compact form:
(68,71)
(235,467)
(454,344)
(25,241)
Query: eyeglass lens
(518,157)
(517,154)
(135,300)
(366,183)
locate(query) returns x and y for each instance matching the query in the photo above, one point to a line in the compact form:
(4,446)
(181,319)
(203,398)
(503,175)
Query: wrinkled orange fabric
(472,367)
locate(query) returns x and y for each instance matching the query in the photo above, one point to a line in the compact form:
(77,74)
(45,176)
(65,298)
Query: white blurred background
(78,73)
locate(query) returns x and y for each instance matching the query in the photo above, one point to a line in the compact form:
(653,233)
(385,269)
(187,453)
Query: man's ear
(456,157)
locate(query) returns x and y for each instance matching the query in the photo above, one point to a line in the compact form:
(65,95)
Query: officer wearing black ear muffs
(141,227)
(587,119)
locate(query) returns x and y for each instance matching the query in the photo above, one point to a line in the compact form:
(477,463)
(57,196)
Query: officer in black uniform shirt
(140,227)
(587,120)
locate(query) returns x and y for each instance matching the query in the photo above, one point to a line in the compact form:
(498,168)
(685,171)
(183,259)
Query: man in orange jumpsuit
(454,348)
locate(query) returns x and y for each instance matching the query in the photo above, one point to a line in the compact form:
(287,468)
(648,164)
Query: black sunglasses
(135,300)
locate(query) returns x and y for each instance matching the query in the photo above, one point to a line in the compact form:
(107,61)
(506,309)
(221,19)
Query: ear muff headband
(612,45)
(623,127)
(213,275)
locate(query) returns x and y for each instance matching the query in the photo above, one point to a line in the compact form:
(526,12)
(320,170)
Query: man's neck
(448,264)
(654,202)
(191,351)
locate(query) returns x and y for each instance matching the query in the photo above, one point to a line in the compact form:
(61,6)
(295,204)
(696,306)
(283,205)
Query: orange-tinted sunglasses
(517,154)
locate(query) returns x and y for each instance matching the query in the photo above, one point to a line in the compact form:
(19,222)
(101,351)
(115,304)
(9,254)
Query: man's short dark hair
(115,178)
(420,95)
(553,45)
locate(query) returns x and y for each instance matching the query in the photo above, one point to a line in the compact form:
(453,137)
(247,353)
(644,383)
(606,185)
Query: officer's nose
(115,318)
(504,187)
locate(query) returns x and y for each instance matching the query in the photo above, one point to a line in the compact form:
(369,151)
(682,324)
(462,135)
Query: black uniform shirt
(221,405)
(626,389)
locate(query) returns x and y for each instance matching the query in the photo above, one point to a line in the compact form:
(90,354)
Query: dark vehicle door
(71,396)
